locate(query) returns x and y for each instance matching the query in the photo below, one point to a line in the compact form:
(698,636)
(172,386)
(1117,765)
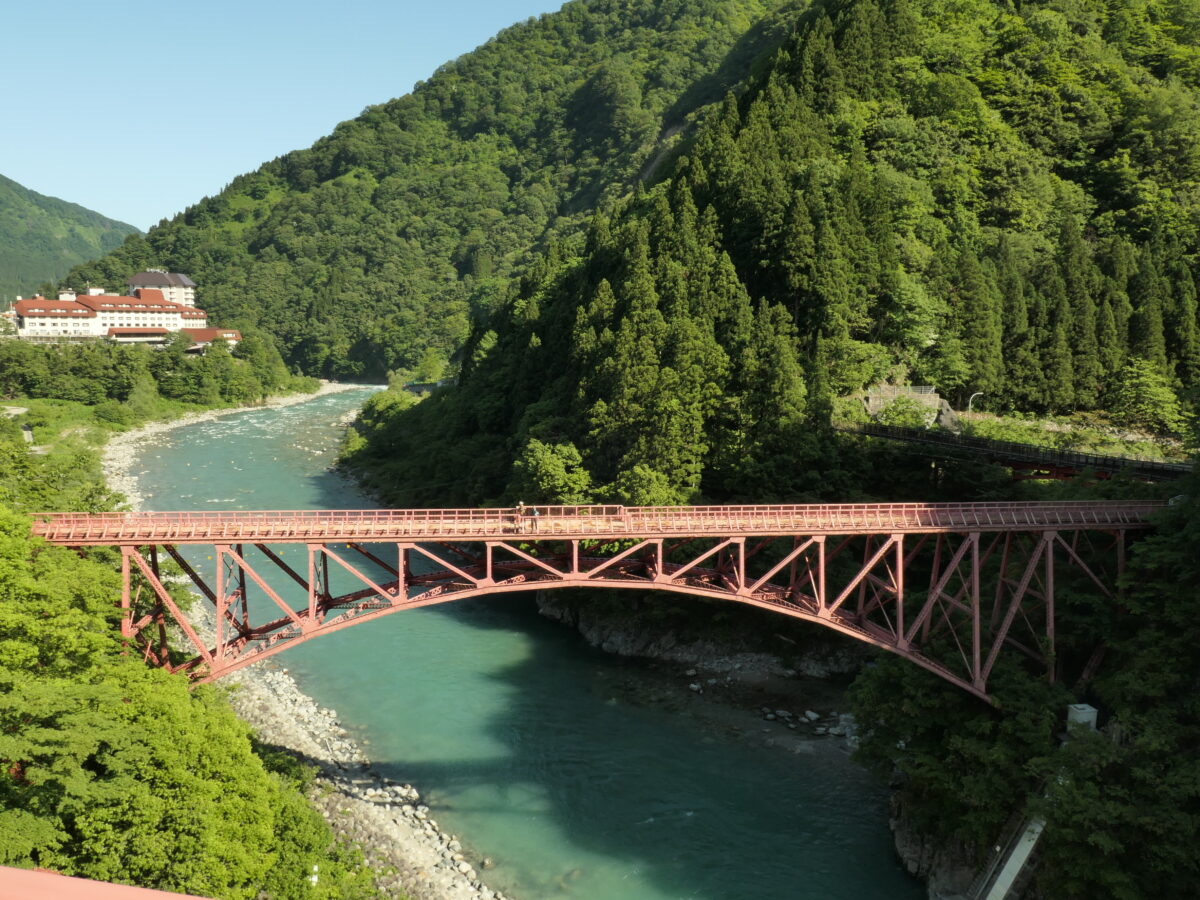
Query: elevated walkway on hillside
(1029,457)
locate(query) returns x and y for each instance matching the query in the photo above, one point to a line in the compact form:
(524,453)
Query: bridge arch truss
(948,586)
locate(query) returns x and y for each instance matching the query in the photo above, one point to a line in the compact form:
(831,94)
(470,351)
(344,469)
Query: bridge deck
(581,522)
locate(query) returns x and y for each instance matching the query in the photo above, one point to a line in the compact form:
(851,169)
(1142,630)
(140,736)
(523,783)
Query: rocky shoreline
(409,853)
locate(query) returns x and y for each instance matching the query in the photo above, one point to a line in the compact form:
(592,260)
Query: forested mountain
(966,195)
(372,250)
(41,238)
(981,196)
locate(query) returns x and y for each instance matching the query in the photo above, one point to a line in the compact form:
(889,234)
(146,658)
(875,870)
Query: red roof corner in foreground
(26,884)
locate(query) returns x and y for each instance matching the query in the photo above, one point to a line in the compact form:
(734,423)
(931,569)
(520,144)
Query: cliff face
(745,642)
(947,867)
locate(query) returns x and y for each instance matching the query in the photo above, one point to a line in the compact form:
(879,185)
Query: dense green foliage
(128,384)
(41,238)
(108,769)
(961,195)
(379,243)
(1081,432)
(114,771)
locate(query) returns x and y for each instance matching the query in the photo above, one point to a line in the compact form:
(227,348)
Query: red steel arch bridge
(948,586)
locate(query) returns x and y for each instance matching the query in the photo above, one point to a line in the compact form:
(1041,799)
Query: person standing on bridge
(519,518)
(535,512)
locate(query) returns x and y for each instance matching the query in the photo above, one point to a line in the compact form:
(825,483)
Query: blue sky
(138,109)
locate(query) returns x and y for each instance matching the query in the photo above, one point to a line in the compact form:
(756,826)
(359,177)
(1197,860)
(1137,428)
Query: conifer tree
(1023,378)
(1057,357)
(862,43)
(1146,338)
(1119,265)
(1108,345)
(820,80)
(1180,325)
(795,254)
(1082,281)
(978,311)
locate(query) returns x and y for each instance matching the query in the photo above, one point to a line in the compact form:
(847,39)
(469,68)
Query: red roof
(55,308)
(52,886)
(150,295)
(112,303)
(205,335)
(113,332)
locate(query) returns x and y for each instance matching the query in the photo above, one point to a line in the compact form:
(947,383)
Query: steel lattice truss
(948,587)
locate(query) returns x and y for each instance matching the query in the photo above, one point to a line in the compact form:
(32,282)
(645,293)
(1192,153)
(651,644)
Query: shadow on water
(576,792)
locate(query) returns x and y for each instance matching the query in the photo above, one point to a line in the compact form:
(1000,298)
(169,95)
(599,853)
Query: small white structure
(1082,714)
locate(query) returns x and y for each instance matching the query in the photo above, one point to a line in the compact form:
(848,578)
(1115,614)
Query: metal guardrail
(1032,453)
(902,390)
(602,522)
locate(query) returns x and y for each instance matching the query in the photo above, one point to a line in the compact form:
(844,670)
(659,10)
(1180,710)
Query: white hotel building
(147,317)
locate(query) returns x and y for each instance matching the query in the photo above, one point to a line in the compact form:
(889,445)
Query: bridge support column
(243,597)
(313,549)
(1048,577)
(222,605)
(822,595)
(126,599)
(977,678)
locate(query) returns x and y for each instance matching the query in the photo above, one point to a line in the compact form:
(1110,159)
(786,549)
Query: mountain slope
(375,246)
(970,194)
(1010,210)
(41,238)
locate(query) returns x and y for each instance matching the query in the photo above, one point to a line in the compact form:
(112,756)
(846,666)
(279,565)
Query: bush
(905,412)
(1144,399)
(114,413)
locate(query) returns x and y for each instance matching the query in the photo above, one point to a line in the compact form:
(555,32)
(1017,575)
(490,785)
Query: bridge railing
(600,521)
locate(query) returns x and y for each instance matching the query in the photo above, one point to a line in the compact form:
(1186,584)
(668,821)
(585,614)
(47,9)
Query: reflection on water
(509,725)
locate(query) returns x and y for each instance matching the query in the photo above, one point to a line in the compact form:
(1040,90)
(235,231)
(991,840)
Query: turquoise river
(514,731)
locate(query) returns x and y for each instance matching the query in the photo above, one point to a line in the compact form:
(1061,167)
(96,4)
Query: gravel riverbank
(410,854)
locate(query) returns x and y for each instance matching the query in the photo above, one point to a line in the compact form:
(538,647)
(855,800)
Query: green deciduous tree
(1142,398)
